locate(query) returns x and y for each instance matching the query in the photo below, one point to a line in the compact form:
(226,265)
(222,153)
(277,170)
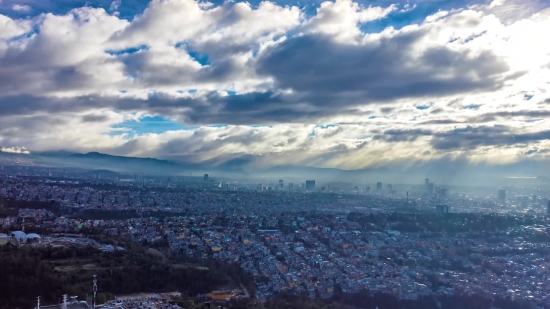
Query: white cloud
(341,18)
(392,95)
(115,5)
(496,3)
(20,150)
(20,8)
(10,28)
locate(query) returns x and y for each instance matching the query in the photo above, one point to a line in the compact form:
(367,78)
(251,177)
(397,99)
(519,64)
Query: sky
(341,84)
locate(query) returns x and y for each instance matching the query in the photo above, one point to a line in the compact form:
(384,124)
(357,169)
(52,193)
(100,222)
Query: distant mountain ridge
(239,167)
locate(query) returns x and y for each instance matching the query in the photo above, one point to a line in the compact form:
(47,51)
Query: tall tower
(502,195)
(548,209)
(281,184)
(64,303)
(38,302)
(95,290)
(378,186)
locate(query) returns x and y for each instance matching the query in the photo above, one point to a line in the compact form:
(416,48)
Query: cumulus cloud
(288,87)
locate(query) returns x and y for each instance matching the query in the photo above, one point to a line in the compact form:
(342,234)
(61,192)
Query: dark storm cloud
(509,115)
(402,135)
(316,64)
(469,138)
(492,116)
(94,118)
(210,108)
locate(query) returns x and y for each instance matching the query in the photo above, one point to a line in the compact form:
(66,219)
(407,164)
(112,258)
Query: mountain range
(442,172)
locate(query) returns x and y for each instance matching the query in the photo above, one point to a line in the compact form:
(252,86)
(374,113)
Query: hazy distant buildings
(390,188)
(548,209)
(310,185)
(431,188)
(290,186)
(281,186)
(441,193)
(502,195)
(442,209)
(426,183)
(206,178)
(378,186)
(368,189)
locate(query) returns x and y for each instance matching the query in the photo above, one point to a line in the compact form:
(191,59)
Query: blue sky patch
(201,58)
(326,126)
(423,107)
(151,124)
(129,50)
(472,106)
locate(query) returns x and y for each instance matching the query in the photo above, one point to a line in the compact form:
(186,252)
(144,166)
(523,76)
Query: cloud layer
(289,87)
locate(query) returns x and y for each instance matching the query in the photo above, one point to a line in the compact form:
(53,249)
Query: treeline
(10,207)
(49,272)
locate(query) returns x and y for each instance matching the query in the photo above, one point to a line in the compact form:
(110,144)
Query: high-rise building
(310,185)
(431,188)
(502,195)
(426,183)
(206,178)
(280,184)
(442,209)
(378,186)
(390,187)
(368,189)
(548,209)
(290,186)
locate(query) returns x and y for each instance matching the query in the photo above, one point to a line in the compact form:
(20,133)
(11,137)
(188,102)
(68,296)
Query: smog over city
(275,154)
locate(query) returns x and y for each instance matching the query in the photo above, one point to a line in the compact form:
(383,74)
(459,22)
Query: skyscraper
(206,177)
(378,186)
(426,183)
(290,186)
(502,195)
(310,185)
(548,209)
(431,188)
(390,187)
(442,209)
(280,184)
